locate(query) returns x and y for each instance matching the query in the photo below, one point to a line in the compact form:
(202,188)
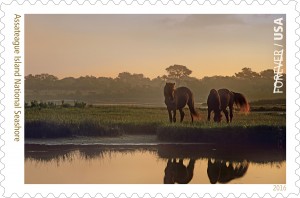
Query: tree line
(136,88)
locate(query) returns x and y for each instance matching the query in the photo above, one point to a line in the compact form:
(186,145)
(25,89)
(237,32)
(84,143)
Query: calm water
(153,164)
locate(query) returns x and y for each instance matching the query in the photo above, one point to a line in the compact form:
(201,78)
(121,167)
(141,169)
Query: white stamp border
(12,169)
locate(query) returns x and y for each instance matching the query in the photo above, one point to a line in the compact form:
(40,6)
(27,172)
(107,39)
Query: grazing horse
(223,172)
(218,101)
(177,172)
(178,99)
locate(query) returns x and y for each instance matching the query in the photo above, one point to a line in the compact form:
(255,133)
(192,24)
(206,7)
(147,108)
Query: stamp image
(113,99)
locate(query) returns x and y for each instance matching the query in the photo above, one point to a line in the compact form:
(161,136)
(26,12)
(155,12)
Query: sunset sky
(105,45)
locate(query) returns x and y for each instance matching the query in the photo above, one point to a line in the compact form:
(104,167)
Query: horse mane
(167,88)
(168,92)
(241,101)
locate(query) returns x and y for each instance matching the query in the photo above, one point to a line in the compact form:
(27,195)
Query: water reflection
(177,172)
(218,171)
(169,163)
(225,171)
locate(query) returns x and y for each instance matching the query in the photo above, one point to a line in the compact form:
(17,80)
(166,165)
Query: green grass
(118,120)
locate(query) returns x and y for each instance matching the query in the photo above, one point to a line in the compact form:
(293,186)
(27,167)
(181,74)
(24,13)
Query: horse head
(213,170)
(214,104)
(169,93)
(170,172)
(217,116)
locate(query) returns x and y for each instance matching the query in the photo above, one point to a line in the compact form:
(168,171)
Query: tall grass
(118,120)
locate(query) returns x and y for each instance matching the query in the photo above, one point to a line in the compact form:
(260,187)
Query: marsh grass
(46,153)
(228,135)
(118,120)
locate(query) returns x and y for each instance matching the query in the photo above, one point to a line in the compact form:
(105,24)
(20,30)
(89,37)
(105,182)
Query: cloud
(206,20)
(196,21)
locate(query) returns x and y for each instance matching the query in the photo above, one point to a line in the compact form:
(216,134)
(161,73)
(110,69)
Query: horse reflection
(224,172)
(177,172)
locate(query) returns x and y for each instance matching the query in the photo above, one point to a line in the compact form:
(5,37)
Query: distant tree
(177,72)
(46,77)
(86,82)
(40,81)
(247,73)
(129,87)
(158,81)
(29,77)
(41,77)
(164,77)
(124,76)
(269,73)
(66,83)
(133,79)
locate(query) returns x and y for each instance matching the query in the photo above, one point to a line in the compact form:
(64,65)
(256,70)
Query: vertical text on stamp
(17,78)
(278,55)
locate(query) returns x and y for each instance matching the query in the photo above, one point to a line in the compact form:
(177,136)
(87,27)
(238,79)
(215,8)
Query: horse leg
(226,114)
(180,161)
(181,115)
(170,115)
(208,116)
(174,115)
(231,112)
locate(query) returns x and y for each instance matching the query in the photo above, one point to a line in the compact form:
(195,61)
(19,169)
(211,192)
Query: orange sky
(105,45)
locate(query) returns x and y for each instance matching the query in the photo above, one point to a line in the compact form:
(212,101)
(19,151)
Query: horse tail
(191,106)
(241,101)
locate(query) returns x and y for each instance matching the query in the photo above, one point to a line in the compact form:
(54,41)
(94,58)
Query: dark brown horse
(177,172)
(223,172)
(178,99)
(218,101)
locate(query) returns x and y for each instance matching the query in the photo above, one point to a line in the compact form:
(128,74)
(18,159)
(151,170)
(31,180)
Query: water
(153,164)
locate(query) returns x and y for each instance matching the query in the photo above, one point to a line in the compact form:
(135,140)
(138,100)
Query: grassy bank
(229,135)
(118,120)
(92,121)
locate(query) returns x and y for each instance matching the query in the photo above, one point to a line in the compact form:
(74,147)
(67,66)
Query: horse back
(182,95)
(183,91)
(226,97)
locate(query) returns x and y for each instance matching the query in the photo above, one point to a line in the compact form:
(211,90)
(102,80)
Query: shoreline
(42,149)
(84,140)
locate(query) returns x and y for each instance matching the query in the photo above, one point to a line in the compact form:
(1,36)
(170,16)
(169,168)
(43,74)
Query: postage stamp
(127,98)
